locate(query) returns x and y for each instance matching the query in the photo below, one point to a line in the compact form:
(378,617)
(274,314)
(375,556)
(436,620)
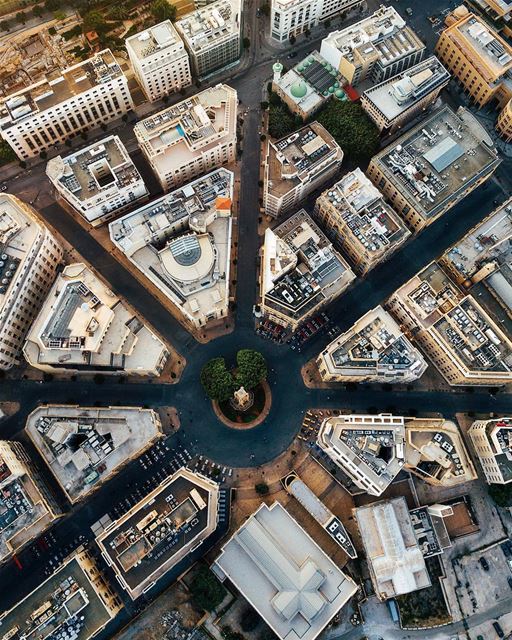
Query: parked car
(498,629)
(484,563)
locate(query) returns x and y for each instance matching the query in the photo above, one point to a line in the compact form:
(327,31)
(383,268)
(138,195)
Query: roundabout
(244,418)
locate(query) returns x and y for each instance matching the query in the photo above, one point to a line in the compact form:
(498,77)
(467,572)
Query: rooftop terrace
(153,41)
(210,25)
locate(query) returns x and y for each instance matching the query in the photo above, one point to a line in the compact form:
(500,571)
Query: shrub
(262,488)
(207,592)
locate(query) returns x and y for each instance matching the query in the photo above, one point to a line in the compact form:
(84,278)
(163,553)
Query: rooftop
(182,241)
(98,69)
(153,41)
(396,562)
(160,530)
(84,446)
(438,159)
(430,532)
(208,26)
(65,605)
(401,92)
(284,574)
(499,437)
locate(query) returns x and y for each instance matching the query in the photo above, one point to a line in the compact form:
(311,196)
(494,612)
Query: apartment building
(396,101)
(297,165)
(99,182)
(465,340)
(434,166)
(26,504)
(29,257)
(300,271)
(212,36)
(293,17)
(378,47)
(80,98)
(374,349)
(359,222)
(86,446)
(497,9)
(492,441)
(83,327)
(159,60)
(181,243)
(504,122)
(192,137)
(74,602)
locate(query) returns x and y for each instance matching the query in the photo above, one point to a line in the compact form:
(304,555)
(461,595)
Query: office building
(454,329)
(300,271)
(27,507)
(212,36)
(99,182)
(86,446)
(378,47)
(396,101)
(308,85)
(192,137)
(432,167)
(29,257)
(75,602)
(181,243)
(492,441)
(83,327)
(160,530)
(159,60)
(497,10)
(360,223)
(374,349)
(283,574)
(81,98)
(293,17)
(395,560)
(297,165)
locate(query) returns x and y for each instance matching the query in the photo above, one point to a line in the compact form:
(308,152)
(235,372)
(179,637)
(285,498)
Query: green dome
(336,84)
(331,89)
(328,67)
(298,89)
(277,67)
(300,68)
(339,93)
(326,93)
(311,60)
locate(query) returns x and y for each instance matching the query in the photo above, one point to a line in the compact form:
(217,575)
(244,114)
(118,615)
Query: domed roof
(277,67)
(331,89)
(298,89)
(339,93)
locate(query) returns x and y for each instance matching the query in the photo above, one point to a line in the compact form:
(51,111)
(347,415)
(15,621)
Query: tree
(207,592)
(20,17)
(292,39)
(217,381)
(249,620)
(280,122)
(53,5)
(161,10)
(501,494)
(246,43)
(261,488)
(94,21)
(6,153)
(264,105)
(37,11)
(5,25)
(59,15)
(251,368)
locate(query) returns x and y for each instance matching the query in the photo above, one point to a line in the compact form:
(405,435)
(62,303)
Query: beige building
(504,122)
(434,166)
(284,574)
(492,441)
(54,110)
(378,47)
(99,182)
(360,223)
(399,99)
(182,244)
(374,349)
(26,504)
(297,165)
(160,530)
(192,137)
(458,334)
(497,9)
(29,257)
(75,601)
(83,327)
(86,446)
(159,60)
(300,271)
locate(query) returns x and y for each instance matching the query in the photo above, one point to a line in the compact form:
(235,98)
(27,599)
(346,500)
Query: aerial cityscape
(255,320)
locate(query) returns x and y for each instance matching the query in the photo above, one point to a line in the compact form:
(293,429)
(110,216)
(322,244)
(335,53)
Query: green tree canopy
(251,368)
(162,10)
(217,381)
(207,592)
(501,494)
(280,121)
(351,128)
(95,21)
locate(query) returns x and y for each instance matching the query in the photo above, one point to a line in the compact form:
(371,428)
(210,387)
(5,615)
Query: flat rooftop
(438,160)
(84,446)
(430,532)
(102,168)
(98,69)
(396,562)
(66,605)
(401,92)
(284,574)
(209,26)
(153,41)
(160,530)
(499,437)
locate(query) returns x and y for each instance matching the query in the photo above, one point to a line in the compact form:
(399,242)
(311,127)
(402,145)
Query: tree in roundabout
(251,368)
(217,381)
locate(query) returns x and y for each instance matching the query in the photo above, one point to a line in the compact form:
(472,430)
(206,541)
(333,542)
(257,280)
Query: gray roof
(444,153)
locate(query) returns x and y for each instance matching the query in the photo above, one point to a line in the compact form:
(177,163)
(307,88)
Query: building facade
(159,60)
(492,441)
(81,98)
(32,256)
